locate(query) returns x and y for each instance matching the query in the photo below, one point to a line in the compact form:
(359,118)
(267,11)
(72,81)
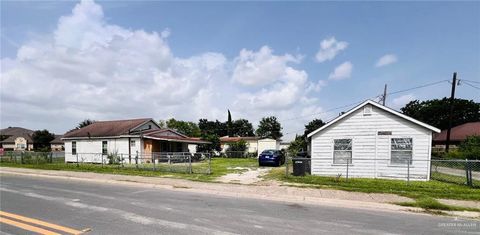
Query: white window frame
(333,151)
(132,143)
(390,150)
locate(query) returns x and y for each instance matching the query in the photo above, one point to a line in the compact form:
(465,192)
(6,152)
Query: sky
(66,61)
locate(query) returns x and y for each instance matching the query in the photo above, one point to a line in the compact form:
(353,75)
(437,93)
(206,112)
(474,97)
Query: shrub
(240,146)
(114,158)
(470,147)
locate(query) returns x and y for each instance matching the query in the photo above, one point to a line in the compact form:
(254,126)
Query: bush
(470,148)
(240,146)
(114,158)
(454,154)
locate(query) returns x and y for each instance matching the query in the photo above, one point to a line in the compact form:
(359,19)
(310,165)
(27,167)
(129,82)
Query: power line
(417,87)
(358,102)
(323,112)
(348,105)
(470,84)
(469,81)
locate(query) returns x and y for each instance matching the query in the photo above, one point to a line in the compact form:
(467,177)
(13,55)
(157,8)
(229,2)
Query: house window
(132,143)
(74,147)
(342,151)
(401,151)
(104,147)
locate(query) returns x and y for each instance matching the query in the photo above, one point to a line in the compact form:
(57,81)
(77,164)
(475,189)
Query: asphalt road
(121,209)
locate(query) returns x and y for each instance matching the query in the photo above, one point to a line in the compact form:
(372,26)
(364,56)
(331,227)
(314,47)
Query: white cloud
(260,68)
(342,71)
(329,48)
(316,87)
(89,68)
(401,101)
(386,60)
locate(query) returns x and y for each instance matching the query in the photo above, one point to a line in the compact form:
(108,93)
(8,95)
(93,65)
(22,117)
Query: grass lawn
(219,167)
(414,189)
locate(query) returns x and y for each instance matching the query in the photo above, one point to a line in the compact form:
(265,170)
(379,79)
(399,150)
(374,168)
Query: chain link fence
(178,162)
(238,154)
(30,157)
(461,172)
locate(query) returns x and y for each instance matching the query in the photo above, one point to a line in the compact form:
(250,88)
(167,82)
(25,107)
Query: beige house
(254,144)
(16,139)
(57,144)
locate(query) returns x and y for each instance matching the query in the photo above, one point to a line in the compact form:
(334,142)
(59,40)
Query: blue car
(271,157)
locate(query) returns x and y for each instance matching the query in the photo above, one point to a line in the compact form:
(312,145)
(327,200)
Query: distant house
(376,142)
(127,138)
(16,139)
(284,145)
(457,135)
(57,144)
(254,144)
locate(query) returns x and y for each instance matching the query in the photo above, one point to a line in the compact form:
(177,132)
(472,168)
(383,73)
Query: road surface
(120,209)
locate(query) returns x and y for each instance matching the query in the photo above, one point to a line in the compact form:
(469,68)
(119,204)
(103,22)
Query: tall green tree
(41,140)
(242,127)
(269,127)
(213,139)
(435,112)
(301,141)
(229,123)
(312,126)
(299,144)
(187,128)
(212,127)
(85,123)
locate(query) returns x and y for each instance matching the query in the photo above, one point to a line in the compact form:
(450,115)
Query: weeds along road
(102,208)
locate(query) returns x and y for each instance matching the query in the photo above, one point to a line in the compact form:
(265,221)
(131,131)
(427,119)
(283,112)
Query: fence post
(76,154)
(190,164)
(468,172)
(153,161)
(209,163)
(430,172)
(286,167)
(348,163)
(136,160)
(408,170)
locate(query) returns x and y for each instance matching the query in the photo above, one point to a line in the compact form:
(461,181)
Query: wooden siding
(370,151)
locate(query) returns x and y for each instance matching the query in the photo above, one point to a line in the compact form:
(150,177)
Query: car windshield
(268,152)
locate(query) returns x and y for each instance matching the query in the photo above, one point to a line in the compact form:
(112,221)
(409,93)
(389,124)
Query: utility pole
(450,114)
(384,97)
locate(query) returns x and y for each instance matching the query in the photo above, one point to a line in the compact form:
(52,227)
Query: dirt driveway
(245,175)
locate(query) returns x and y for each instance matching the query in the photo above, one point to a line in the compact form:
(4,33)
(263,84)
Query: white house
(376,142)
(254,144)
(127,138)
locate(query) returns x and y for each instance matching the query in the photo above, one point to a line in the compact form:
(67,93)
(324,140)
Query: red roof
(237,138)
(107,128)
(171,135)
(460,132)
